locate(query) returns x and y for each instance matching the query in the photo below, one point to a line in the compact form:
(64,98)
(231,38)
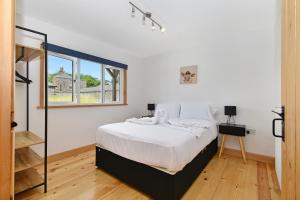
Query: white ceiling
(188,23)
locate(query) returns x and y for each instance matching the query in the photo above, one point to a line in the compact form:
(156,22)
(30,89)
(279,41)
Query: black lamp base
(230,120)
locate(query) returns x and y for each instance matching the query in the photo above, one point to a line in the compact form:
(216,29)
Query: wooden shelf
(26,139)
(27,179)
(26,158)
(29,53)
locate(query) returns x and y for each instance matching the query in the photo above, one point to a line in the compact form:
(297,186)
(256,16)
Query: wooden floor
(226,178)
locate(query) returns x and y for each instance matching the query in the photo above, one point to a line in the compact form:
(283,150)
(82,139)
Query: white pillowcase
(196,111)
(161,115)
(172,110)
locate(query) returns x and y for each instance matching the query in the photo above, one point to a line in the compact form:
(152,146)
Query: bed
(157,159)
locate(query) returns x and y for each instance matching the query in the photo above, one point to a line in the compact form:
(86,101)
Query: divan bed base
(153,182)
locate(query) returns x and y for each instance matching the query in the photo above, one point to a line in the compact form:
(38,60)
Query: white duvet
(164,146)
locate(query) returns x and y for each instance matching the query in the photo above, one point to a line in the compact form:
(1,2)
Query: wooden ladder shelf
(26,159)
(26,176)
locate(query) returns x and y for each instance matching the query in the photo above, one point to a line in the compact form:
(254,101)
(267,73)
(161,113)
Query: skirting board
(251,156)
(71,152)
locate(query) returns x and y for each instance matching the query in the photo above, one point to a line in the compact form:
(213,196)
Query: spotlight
(162,29)
(144,19)
(153,26)
(132,12)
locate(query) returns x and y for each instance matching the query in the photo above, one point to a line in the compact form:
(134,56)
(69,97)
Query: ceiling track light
(146,15)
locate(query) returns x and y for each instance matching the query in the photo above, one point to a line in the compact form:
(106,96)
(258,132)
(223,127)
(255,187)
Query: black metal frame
(46,101)
(154,182)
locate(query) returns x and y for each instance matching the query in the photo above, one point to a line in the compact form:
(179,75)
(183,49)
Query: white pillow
(196,111)
(161,116)
(173,110)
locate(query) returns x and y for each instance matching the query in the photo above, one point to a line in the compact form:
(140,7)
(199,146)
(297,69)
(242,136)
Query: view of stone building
(60,89)
(62,82)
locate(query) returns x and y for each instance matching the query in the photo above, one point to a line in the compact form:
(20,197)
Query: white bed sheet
(158,145)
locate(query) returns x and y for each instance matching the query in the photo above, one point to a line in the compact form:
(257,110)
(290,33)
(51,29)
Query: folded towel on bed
(159,118)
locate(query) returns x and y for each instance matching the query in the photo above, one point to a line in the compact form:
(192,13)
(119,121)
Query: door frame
(290,79)
(7,64)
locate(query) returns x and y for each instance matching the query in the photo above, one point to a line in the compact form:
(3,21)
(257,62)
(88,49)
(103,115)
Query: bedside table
(236,130)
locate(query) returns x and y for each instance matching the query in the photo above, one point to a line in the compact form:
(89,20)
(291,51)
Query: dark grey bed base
(153,182)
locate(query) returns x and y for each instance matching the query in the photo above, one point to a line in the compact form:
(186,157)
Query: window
(60,79)
(74,81)
(90,83)
(112,84)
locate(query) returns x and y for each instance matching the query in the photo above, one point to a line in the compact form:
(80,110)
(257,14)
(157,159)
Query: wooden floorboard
(224,178)
(263,181)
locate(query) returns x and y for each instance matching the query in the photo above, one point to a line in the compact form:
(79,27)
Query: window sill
(82,105)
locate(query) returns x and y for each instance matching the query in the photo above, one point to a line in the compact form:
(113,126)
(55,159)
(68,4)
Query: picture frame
(188,74)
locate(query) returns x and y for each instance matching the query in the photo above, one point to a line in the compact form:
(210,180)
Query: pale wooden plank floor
(226,178)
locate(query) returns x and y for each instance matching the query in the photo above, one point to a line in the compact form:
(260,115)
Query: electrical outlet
(251,131)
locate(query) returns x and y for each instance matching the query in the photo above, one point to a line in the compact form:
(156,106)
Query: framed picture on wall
(188,74)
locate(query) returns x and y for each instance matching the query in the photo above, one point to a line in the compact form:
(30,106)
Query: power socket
(251,131)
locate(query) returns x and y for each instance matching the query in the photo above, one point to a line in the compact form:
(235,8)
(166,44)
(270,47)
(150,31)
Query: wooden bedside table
(236,130)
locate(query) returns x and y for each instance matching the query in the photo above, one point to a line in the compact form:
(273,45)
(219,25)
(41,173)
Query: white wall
(234,68)
(74,127)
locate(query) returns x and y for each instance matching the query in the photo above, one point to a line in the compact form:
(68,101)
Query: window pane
(60,80)
(112,85)
(90,82)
